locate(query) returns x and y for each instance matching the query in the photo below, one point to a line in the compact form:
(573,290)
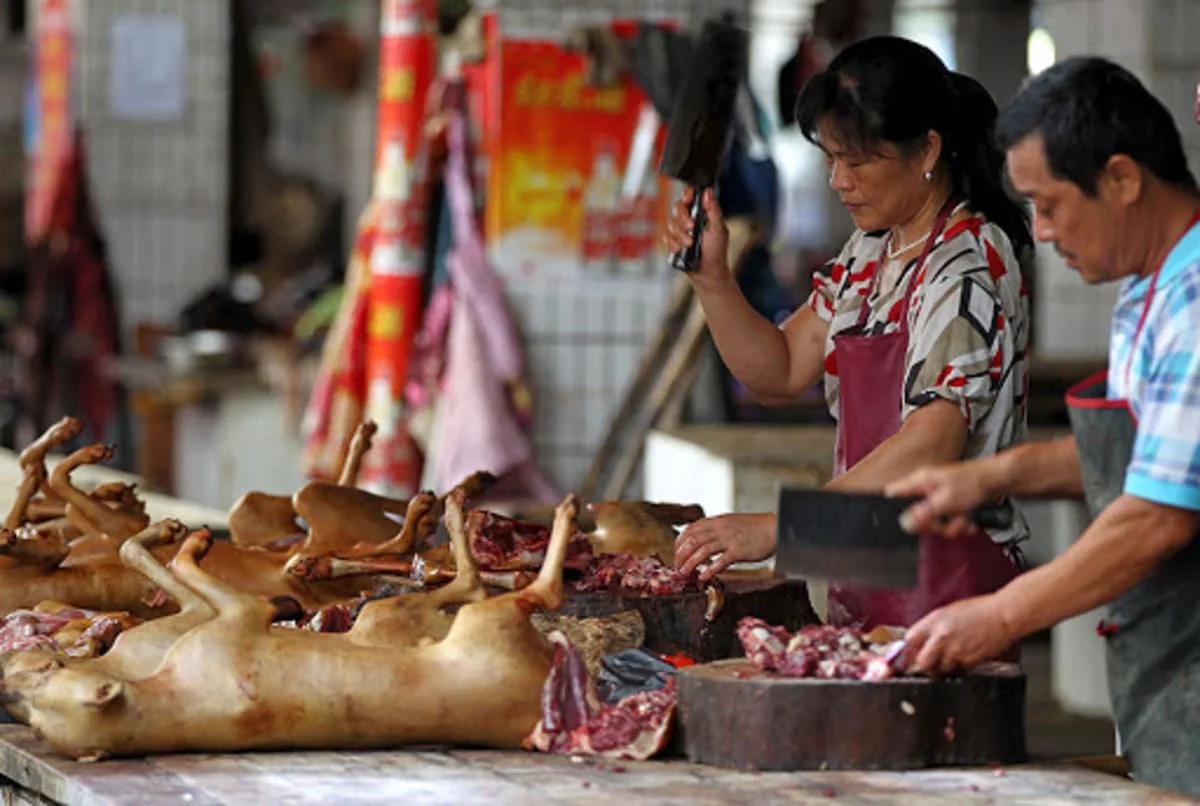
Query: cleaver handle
(992,517)
(688,258)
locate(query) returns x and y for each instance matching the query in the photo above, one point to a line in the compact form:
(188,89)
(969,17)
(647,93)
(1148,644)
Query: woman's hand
(714,242)
(732,538)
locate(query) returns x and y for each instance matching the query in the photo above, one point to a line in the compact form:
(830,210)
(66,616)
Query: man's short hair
(1087,110)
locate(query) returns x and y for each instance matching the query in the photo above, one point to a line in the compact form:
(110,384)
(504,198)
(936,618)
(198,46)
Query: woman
(920,327)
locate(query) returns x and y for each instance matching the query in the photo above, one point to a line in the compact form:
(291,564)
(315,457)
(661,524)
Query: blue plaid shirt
(1159,374)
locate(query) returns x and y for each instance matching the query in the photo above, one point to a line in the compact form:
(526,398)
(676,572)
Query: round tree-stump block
(688,623)
(731,714)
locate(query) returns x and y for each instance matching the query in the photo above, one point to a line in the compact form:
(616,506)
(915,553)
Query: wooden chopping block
(733,715)
(698,625)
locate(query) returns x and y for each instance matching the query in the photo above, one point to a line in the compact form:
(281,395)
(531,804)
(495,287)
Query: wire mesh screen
(583,341)
(160,187)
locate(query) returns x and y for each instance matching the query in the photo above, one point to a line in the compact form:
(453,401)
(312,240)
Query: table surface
(89,476)
(469,776)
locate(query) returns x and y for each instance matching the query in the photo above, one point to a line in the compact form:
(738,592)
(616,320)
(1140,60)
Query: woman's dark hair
(1089,109)
(887,89)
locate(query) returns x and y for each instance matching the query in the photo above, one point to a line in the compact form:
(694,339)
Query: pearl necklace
(894,253)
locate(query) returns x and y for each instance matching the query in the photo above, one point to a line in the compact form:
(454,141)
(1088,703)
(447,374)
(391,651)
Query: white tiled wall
(1156,40)
(160,189)
(583,341)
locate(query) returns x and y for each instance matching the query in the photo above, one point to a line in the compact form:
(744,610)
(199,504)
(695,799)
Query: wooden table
(36,776)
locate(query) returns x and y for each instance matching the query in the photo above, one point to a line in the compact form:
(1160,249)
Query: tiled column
(1154,39)
(160,188)
(990,40)
(1071,318)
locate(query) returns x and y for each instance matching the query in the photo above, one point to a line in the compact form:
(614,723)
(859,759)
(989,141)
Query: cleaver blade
(854,537)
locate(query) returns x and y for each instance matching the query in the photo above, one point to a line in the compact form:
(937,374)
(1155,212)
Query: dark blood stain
(829,792)
(618,769)
(1106,628)
(587,784)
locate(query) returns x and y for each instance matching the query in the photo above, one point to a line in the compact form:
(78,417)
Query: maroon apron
(949,570)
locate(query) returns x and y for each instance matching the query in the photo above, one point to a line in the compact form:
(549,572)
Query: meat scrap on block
(576,722)
(819,650)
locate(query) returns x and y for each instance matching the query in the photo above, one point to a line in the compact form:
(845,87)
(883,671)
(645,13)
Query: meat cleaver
(702,121)
(854,537)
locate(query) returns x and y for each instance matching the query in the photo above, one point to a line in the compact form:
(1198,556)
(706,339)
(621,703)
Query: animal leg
(259,519)
(31,482)
(34,455)
(96,516)
(225,599)
(546,591)
(405,540)
(466,585)
(472,486)
(135,553)
(360,443)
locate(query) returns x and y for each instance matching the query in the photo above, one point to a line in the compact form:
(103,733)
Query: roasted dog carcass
(624,549)
(234,683)
(337,517)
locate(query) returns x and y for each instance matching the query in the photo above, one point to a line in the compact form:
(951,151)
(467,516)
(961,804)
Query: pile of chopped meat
(818,650)
(76,632)
(575,721)
(503,544)
(340,616)
(632,574)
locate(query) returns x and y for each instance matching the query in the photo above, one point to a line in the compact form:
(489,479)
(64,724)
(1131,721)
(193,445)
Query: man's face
(1088,232)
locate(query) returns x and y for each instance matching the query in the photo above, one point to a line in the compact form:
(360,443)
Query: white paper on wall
(149,67)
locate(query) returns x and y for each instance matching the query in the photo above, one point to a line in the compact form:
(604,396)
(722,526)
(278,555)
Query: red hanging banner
(51,136)
(367,353)
(406,71)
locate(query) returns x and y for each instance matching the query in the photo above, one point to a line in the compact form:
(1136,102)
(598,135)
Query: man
(1102,163)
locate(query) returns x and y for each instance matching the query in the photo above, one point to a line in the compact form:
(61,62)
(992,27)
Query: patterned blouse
(968,325)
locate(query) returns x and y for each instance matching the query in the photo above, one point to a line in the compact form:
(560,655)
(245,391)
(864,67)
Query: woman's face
(881,188)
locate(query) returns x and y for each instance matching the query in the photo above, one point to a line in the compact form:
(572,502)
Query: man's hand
(958,636)
(730,538)
(949,493)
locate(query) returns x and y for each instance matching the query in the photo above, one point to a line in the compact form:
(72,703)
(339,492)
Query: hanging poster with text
(557,151)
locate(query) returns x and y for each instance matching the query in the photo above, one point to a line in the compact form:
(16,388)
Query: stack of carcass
(326,621)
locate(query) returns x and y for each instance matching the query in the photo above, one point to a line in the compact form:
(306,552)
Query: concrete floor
(1051,732)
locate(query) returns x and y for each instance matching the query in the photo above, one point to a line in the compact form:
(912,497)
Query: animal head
(24,673)
(75,706)
(631,527)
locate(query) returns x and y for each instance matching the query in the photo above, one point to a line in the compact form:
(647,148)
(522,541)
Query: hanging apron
(1152,632)
(949,570)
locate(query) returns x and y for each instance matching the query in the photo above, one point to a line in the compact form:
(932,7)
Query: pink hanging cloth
(483,417)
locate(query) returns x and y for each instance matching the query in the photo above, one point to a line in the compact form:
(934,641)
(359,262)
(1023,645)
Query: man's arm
(1039,470)
(948,492)
(1121,548)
